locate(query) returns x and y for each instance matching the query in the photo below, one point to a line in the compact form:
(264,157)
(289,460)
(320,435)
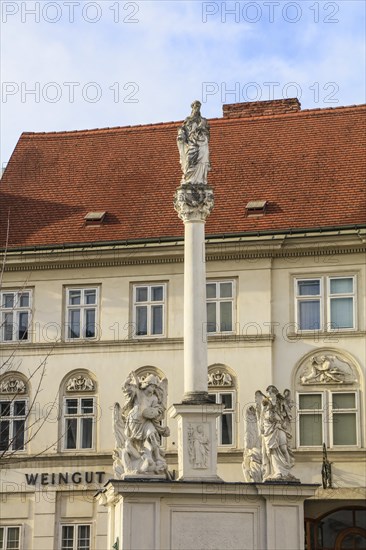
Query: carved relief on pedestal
(80,383)
(219,377)
(12,385)
(198,446)
(326,368)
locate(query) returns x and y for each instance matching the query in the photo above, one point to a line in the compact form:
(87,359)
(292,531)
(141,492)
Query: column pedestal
(197,441)
(165,515)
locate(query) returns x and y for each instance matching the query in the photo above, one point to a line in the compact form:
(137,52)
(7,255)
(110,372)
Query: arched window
(340,529)
(14,411)
(79,412)
(222,384)
(327,399)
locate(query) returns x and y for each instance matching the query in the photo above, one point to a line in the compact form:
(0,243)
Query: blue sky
(115,63)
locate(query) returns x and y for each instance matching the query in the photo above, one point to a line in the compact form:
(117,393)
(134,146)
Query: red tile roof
(309,166)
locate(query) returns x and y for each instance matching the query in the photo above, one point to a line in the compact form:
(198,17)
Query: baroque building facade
(92,289)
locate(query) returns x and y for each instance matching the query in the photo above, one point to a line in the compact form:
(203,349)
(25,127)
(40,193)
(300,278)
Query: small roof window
(256,208)
(94,218)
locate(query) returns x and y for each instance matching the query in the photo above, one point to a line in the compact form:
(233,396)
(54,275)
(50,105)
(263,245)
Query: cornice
(334,456)
(148,343)
(340,493)
(229,456)
(59,460)
(25,266)
(327,337)
(224,249)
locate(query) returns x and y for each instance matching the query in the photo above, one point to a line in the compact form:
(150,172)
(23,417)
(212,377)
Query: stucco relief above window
(143,372)
(80,383)
(326,367)
(12,385)
(219,377)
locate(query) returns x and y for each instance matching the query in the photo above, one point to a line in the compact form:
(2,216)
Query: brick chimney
(261,108)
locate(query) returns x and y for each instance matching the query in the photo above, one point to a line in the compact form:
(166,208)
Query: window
(325,303)
(81,316)
(79,422)
(15,316)
(327,416)
(9,538)
(256,208)
(225,423)
(12,424)
(341,295)
(220,306)
(75,537)
(221,385)
(149,310)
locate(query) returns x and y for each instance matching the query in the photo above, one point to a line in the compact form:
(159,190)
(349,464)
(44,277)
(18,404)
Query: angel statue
(252,458)
(137,427)
(268,455)
(193,137)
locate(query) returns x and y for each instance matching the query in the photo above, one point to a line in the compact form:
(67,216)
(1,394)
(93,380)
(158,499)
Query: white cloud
(169,54)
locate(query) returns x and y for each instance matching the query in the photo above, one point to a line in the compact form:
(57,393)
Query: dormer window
(256,208)
(94,218)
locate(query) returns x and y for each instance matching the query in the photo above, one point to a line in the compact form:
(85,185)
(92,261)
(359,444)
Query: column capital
(193,202)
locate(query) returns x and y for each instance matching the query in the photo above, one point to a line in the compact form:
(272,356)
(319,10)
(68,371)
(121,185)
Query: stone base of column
(197,398)
(197,440)
(161,515)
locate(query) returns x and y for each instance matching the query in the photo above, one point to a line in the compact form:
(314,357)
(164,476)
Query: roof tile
(309,166)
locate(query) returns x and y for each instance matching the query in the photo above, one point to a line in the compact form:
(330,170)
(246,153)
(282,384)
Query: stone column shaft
(194,202)
(195,346)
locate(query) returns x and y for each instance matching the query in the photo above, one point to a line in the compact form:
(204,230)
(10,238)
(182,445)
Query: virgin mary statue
(193,137)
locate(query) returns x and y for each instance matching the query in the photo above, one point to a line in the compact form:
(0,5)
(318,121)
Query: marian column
(193,201)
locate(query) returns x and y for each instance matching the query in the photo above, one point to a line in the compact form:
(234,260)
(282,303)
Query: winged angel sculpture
(267,454)
(137,427)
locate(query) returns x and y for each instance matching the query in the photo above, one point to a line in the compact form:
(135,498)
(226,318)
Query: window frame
(83,307)
(5,540)
(79,417)
(325,298)
(309,298)
(352,295)
(149,304)
(327,413)
(12,418)
(16,310)
(218,300)
(217,392)
(354,410)
(75,533)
